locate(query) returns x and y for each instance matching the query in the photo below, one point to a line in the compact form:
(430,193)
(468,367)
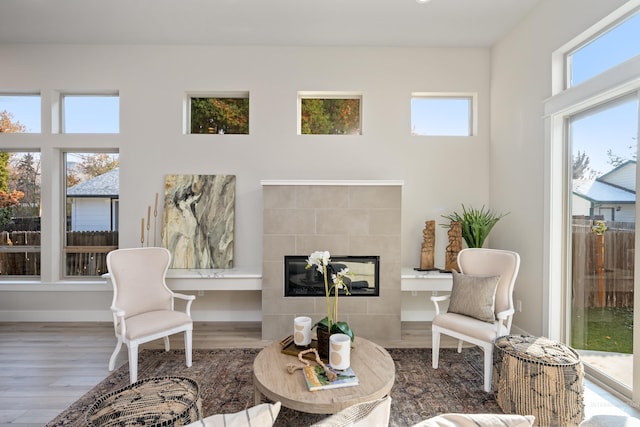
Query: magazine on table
(316,378)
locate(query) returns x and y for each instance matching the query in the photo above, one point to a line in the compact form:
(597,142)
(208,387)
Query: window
(592,163)
(443,114)
(20,214)
(20,114)
(224,114)
(612,47)
(91,211)
(329,114)
(90,114)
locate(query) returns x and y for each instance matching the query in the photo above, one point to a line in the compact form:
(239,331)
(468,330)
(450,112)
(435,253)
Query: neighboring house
(612,195)
(94,203)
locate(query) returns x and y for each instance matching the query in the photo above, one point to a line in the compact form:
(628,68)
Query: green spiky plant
(476,224)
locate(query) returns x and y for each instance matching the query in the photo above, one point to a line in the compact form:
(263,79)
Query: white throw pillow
(263,415)
(478,420)
(367,414)
(474,296)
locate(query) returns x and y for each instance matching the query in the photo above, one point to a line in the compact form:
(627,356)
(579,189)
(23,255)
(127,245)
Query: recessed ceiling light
(422,1)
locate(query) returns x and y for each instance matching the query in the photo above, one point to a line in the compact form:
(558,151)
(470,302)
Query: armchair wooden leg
(133,362)
(488,369)
(167,345)
(188,346)
(114,355)
(435,348)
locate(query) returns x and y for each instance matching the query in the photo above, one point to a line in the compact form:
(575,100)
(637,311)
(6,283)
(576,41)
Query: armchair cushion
(153,322)
(473,328)
(474,296)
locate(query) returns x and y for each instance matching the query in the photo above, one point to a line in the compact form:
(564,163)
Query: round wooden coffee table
(371,363)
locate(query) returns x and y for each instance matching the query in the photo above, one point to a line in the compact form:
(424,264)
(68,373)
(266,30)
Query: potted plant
(330,324)
(475,223)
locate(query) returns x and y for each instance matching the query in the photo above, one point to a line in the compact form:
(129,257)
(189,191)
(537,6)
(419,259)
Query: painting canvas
(199,220)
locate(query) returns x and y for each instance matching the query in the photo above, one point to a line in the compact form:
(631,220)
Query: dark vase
(323,344)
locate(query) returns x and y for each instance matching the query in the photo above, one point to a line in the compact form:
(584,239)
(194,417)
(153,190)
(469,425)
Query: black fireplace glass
(300,281)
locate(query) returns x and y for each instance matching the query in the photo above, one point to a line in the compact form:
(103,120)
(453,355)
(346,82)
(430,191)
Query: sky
(612,127)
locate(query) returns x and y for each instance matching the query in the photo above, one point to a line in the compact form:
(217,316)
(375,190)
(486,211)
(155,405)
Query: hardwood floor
(44,367)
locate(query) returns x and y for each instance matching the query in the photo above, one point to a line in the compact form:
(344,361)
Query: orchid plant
(320,260)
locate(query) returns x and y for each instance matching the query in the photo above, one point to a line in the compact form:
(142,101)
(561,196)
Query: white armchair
(143,305)
(485,310)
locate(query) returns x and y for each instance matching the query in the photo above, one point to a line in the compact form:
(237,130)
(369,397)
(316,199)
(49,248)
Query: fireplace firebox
(302,282)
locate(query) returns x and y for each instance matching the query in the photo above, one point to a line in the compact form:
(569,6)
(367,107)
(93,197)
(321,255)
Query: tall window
(19,213)
(90,114)
(91,226)
(224,114)
(443,114)
(329,114)
(593,168)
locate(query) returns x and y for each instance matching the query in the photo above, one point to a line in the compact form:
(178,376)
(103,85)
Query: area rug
(226,384)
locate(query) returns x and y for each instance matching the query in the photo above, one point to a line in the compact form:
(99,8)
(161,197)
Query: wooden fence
(85,253)
(614,276)
(19,253)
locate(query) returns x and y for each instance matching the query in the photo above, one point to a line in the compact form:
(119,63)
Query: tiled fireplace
(347,218)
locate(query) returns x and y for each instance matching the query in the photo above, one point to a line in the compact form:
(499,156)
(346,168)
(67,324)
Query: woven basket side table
(540,377)
(159,401)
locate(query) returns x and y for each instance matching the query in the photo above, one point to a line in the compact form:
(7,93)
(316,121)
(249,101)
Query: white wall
(438,173)
(520,81)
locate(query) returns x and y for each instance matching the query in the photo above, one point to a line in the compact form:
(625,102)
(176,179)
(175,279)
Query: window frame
(565,102)
(60,121)
(560,59)
(25,248)
(27,94)
(186,125)
(327,95)
(473,110)
(114,219)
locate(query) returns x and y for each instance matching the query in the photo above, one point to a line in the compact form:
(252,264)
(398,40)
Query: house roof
(601,192)
(615,186)
(105,185)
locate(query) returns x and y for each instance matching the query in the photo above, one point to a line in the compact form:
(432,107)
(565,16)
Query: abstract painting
(199,220)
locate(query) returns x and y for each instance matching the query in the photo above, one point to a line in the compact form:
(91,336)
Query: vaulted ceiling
(440,23)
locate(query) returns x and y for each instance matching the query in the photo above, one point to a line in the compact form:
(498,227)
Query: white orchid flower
(338,279)
(320,259)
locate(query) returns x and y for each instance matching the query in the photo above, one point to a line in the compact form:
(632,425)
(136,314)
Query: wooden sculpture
(455,246)
(428,244)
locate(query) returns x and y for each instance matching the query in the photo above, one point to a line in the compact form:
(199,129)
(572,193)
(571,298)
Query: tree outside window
(220,115)
(330,116)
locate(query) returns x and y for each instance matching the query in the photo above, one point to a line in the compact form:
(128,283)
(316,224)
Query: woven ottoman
(165,401)
(540,377)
